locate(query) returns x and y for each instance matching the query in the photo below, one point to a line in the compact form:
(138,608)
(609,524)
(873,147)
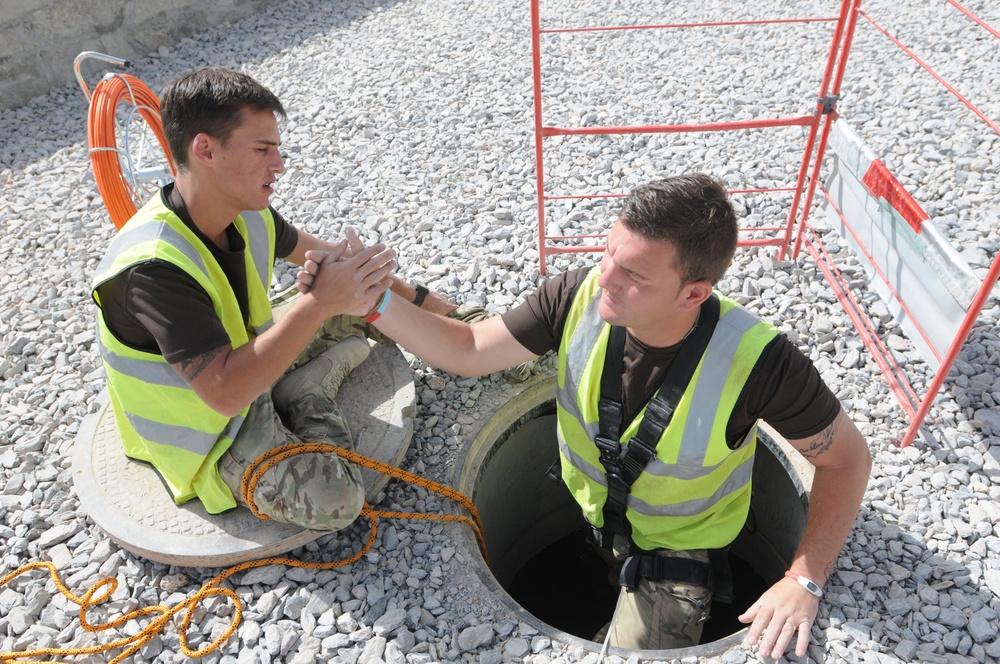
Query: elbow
(223,403)
(866,461)
(229,410)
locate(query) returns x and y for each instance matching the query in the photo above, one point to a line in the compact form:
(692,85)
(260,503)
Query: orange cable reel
(106,155)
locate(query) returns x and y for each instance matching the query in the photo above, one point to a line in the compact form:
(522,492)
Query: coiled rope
(108,159)
(163,614)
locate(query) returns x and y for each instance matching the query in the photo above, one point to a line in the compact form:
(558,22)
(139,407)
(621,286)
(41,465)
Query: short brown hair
(209,101)
(694,214)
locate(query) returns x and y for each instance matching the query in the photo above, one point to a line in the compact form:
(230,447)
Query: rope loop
(102,590)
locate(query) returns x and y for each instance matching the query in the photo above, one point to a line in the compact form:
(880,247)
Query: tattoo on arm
(821,443)
(191,369)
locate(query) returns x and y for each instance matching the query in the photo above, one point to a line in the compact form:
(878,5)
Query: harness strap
(665,568)
(609,409)
(621,470)
(722,575)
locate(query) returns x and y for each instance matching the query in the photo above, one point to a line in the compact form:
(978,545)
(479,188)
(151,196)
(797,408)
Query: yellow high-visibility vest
(695,493)
(160,418)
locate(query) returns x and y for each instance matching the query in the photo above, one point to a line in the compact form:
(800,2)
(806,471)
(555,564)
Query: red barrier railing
(798,233)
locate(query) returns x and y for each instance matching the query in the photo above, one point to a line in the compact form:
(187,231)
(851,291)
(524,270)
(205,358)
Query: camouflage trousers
(658,615)
(315,491)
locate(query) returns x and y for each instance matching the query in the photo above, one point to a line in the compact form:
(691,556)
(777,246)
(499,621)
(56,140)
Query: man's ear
(695,292)
(201,148)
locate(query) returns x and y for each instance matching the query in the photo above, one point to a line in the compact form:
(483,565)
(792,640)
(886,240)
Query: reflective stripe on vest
(262,252)
(160,418)
(185,438)
(696,491)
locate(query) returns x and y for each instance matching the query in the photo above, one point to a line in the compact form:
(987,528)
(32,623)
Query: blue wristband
(383,304)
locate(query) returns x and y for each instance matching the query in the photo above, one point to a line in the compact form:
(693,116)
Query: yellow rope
(163,614)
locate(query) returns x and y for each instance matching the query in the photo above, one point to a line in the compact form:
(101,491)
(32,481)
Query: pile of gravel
(412,121)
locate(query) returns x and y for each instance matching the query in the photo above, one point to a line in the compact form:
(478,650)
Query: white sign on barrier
(926,285)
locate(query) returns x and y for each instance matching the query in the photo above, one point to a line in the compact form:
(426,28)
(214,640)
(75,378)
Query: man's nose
(607,280)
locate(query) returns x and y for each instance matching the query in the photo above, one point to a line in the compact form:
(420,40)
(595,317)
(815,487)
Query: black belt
(714,575)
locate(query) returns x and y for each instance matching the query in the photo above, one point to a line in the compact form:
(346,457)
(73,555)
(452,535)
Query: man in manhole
(662,382)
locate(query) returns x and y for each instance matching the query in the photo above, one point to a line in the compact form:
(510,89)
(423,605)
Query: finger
(382,260)
(749,614)
(315,255)
(353,241)
(366,254)
(783,636)
(340,251)
(376,262)
(310,266)
(758,623)
(379,279)
(802,645)
(305,278)
(767,630)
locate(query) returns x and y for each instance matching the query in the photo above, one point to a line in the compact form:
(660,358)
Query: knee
(336,503)
(317,492)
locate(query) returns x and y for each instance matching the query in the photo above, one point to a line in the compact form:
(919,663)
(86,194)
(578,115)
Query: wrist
(812,587)
(421,294)
(379,308)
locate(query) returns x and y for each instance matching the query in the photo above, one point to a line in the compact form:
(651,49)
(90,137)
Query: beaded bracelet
(379,307)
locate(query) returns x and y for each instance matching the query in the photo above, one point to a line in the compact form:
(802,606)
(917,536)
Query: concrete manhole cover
(127,500)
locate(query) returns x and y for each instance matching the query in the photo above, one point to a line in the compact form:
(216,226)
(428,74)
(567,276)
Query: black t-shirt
(158,308)
(785,390)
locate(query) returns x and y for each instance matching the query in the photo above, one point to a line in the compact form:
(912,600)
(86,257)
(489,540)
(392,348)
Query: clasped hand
(348,279)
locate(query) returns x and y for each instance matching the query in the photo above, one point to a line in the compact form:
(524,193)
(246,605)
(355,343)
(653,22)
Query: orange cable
(105,154)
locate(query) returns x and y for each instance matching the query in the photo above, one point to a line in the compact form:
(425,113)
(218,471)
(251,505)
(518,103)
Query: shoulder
(537,322)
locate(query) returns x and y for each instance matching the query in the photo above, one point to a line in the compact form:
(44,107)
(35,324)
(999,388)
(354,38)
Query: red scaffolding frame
(796,233)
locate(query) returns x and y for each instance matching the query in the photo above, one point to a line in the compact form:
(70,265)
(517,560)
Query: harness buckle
(610,451)
(554,472)
(598,537)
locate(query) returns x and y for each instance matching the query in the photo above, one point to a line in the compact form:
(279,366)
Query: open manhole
(544,571)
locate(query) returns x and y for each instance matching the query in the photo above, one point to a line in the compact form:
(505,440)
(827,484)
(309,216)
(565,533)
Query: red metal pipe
(708,24)
(536,75)
(972,107)
(993,31)
(800,121)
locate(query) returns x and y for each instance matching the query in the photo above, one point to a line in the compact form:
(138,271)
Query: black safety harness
(622,470)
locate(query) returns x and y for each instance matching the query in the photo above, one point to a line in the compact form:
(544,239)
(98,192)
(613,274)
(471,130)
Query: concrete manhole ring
(522,510)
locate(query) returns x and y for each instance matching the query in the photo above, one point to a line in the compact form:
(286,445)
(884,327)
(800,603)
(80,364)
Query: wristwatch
(422,292)
(808,584)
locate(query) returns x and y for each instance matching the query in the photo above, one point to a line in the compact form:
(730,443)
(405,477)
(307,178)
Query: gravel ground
(412,121)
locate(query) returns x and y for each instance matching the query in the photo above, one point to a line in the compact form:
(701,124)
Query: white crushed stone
(412,121)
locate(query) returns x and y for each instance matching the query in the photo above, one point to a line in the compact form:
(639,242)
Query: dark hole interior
(567,586)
